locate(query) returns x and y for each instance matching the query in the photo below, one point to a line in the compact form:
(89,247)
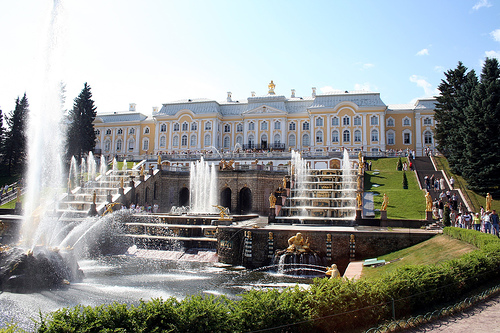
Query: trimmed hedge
(329,305)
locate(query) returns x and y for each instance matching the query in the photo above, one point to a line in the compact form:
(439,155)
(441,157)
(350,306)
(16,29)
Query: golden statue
(271,87)
(121,182)
(385,202)
(94,197)
(333,271)
(271,237)
(298,244)
(159,161)
(142,170)
(360,157)
(352,238)
(488,202)
(223,212)
(359,182)
(109,208)
(359,200)
(272,201)
(328,237)
(428,202)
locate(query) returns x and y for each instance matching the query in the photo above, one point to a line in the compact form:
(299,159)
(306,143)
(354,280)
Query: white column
(382,131)
(418,134)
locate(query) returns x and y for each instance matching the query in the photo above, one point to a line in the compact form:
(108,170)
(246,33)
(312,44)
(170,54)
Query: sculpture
(272,201)
(428,202)
(271,87)
(142,170)
(385,202)
(94,197)
(333,272)
(223,212)
(298,244)
(488,202)
(159,161)
(359,200)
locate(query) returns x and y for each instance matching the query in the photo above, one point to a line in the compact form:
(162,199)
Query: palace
(355,120)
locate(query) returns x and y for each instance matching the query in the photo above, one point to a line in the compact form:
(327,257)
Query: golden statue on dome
(271,87)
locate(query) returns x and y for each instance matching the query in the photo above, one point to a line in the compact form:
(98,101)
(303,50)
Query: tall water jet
(73,173)
(91,166)
(299,173)
(203,187)
(348,185)
(103,168)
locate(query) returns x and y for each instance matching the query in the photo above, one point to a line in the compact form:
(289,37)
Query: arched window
(208,126)
(108,131)
(277,125)
(305,140)
(335,135)
(239,140)
(390,122)
(192,141)
(305,126)
(194,126)
(357,136)
(176,127)
(291,126)
(263,126)
(427,121)
(251,126)
(163,128)
(239,128)
(119,145)
(146,130)
(97,132)
(346,121)
(374,135)
(175,141)
(357,121)
(335,121)
(207,141)
(346,136)
(185,126)
(319,137)
(390,138)
(319,121)
(145,144)
(407,137)
(120,131)
(163,141)
(107,145)
(251,141)
(277,138)
(291,140)
(428,137)
(227,128)
(131,144)
(406,121)
(184,140)
(374,120)
(227,142)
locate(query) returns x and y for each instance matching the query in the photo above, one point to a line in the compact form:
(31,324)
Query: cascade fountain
(203,188)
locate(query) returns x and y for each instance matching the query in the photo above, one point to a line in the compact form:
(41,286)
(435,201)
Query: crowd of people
(483,221)
(147,208)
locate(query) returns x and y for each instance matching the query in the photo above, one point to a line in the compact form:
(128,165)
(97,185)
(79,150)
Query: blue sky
(152,52)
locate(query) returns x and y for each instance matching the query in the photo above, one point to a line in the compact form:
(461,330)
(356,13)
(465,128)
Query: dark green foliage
(405,181)
(400,165)
(14,148)
(446,216)
(81,137)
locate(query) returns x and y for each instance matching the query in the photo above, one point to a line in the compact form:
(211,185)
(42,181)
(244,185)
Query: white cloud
(439,69)
(367,66)
(422,83)
(493,54)
(423,52)
(363,86)
(482,3)
(496,35)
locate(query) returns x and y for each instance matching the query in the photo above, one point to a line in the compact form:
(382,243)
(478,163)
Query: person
(467,220)
(486,222)
(452,183)
(441,184)
(476,220)
(494,222)
(440,208)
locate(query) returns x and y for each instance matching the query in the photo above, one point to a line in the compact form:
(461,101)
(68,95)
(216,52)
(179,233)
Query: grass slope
(438,249)
(406,204)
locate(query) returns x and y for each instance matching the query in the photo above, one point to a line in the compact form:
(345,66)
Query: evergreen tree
(81,136)
(455,92)
(482,137)
(1,128)
(15,142)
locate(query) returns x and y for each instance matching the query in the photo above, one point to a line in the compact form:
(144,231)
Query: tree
(80,133)
(482,135)
(15,142)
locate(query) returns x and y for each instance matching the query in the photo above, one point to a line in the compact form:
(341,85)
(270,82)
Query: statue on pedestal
(298,244)
(333,272)
(385,202)
(488,202)
(272,201)
(428,202)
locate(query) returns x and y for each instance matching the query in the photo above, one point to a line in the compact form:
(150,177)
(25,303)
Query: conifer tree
(15,142)
(80,134)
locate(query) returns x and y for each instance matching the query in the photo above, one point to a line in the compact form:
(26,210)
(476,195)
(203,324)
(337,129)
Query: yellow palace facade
(355,120)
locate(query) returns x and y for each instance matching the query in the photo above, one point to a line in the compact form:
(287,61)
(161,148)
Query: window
(346,121)
(406,121)
(357,136)
(176,127)
(291,127)
(335,121)
(291,140)
(427,121)
(319,122)
(277,125)
(407,138)
(374,120)
(239,128)
(226,142)
(263,126)
(131,144)
(277,138)
(163,141)
(194,126)
(239,140)
(208,126)
(427,137)
(145,144)
(251,141)
(207,141)
(346,136)
(131,131)
(319,137)
(374,135)
(335,136)
(107,145)
(390,137)
(108,132)
(357,121)
(118,145)
(227,128)
(175,141)
(97,132)
(390,122)
(146,130)
(184,140)
(192,141)
(163,128)
(120,131)
(251,126)
(305,126)
(305,140)
(185,126)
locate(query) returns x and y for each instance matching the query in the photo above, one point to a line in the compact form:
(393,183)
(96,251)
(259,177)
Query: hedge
(328,305)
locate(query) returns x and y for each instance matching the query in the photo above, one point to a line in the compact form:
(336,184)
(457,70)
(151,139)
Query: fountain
(203,188)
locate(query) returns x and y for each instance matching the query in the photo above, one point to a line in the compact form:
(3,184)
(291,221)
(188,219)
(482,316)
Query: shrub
(405,181)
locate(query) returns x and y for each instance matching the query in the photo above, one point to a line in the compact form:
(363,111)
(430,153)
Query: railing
(10,194)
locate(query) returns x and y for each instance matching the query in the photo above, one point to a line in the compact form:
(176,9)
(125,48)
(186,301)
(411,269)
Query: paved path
(483,317)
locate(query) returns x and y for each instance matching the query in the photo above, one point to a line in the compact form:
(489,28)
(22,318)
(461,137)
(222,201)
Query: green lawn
(438,249)
(403,204)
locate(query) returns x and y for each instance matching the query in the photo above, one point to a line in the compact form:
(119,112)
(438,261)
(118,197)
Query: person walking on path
(476,220)
(494,222)
(486,222)
(452,183)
